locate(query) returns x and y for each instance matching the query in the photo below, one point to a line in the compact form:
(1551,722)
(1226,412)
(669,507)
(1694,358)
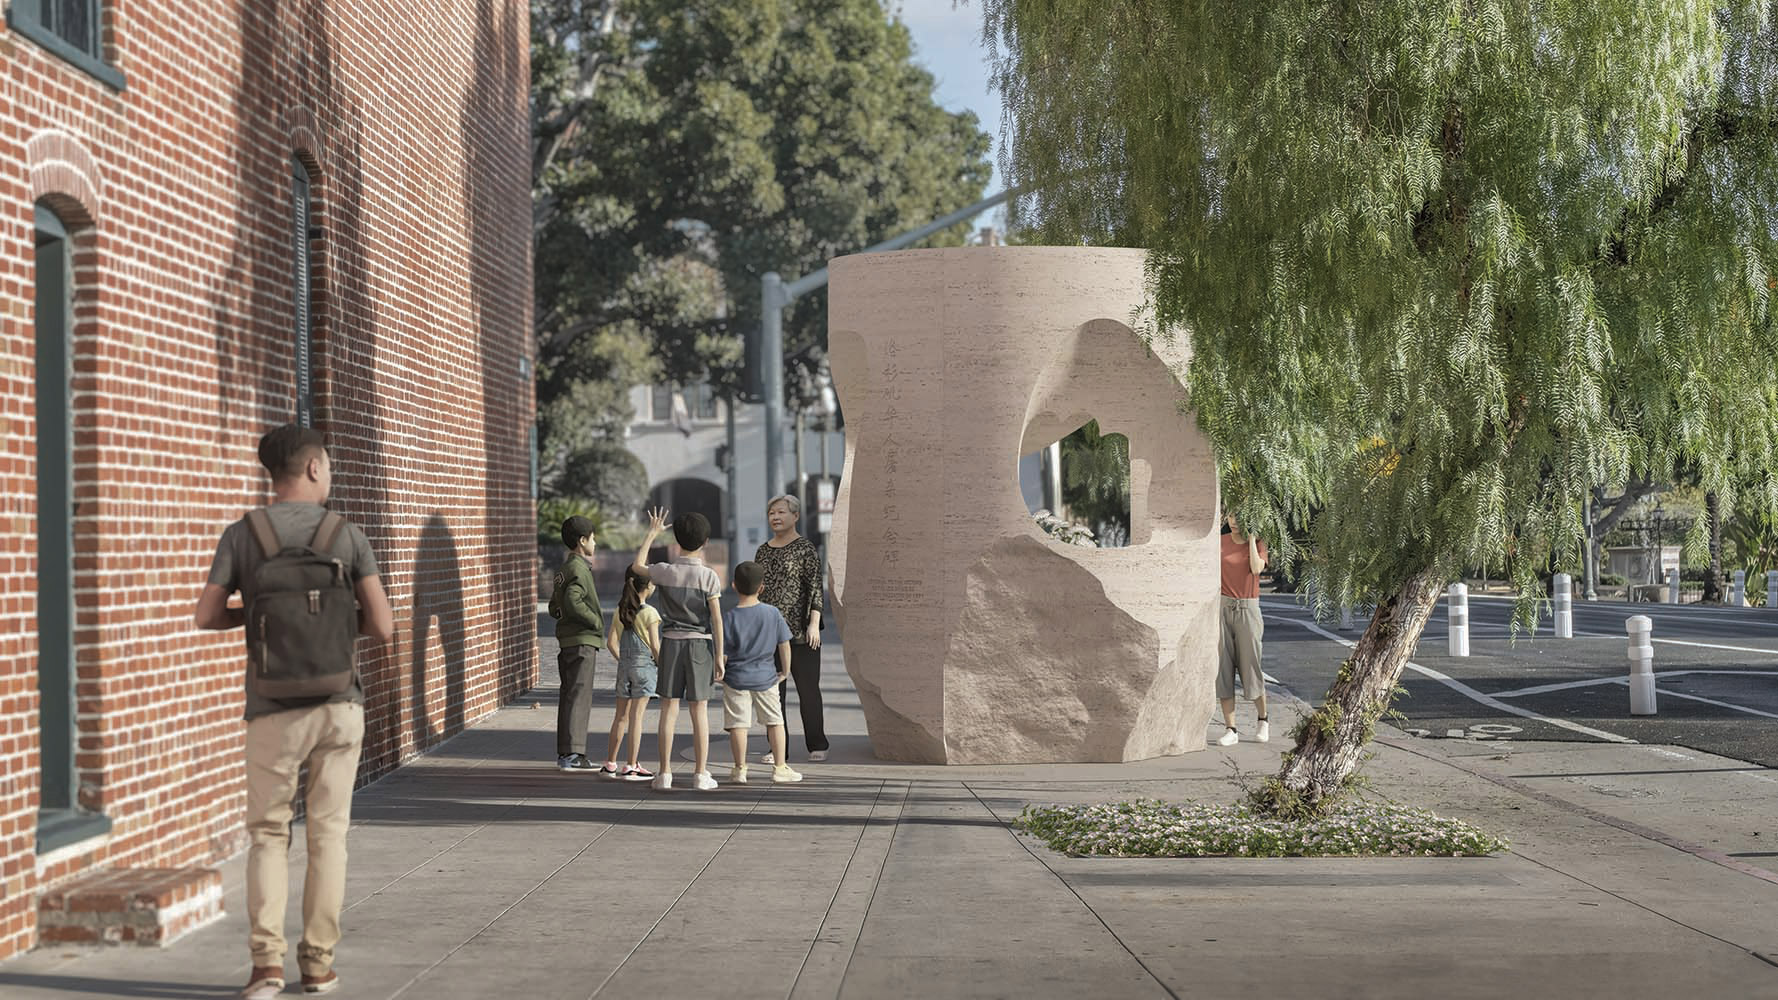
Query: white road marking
(1707,701)
(1472,694)
(1567,685)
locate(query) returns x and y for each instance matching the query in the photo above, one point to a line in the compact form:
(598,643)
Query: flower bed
(1150,828)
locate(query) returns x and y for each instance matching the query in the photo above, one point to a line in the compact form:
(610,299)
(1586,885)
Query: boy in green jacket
(580,628)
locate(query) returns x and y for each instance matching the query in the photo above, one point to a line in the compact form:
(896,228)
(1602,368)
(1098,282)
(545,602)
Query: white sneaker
(817,756)
(767,759)
(1265,731)
(737,775)
(703,782)
(784,775)
(663,781)
(1229,738)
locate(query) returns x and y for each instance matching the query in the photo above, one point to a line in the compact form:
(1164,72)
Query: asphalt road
(1716,675)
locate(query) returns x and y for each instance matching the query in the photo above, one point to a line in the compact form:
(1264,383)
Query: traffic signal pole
(776,295)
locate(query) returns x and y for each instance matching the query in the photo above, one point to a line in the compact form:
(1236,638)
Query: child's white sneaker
(1265,731)
(1229,738)
(784,775)
(703,782)
(663,781)
(737,775)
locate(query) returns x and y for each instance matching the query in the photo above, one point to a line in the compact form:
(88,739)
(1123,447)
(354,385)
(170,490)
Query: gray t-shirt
(238,556)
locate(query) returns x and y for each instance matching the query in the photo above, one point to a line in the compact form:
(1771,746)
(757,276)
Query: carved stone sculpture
(972,636)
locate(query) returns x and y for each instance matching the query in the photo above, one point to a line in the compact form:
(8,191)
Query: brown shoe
(321,984)
(265,982)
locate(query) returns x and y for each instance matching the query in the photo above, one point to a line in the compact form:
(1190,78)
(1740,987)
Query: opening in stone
(1083,482)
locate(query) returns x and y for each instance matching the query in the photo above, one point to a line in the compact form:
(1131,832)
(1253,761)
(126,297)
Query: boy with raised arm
(689,597)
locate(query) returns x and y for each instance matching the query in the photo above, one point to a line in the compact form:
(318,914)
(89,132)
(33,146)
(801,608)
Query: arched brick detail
(63,170)
(304,141)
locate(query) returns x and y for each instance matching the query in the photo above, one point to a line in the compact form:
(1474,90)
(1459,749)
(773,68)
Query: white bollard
(1458,611)
(1642,664)
(1563,586)
(1672,586)
(1772,590)
(1738,589)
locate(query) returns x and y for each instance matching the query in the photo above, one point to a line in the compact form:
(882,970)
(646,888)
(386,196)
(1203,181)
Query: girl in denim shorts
(635,641)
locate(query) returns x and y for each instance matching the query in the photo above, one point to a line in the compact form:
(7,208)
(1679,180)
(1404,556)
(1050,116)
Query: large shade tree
(1445,267)
(681,149)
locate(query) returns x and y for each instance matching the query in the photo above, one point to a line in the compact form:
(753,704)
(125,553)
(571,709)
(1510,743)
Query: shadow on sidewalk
(115,988)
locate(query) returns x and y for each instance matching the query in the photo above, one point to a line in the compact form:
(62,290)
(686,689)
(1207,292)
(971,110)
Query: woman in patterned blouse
(793,585)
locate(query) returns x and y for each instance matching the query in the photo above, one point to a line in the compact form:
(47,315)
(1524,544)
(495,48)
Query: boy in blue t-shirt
(756,647)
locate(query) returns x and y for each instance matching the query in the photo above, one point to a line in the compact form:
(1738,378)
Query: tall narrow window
(305,385)
(55,506)
(661,406)
(59,820)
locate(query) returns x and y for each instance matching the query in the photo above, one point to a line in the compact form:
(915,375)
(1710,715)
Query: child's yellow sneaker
(737,775)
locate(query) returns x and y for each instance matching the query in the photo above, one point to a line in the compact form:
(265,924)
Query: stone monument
(972,636)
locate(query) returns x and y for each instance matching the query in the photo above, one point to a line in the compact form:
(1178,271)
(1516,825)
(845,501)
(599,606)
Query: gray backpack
(302,627)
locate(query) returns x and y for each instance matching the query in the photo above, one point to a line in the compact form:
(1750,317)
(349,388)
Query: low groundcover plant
(1150,828)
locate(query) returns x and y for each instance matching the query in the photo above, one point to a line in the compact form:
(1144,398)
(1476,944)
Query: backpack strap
(326,532)
(263,531)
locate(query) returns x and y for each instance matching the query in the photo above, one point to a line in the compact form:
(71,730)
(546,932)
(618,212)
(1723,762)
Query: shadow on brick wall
(438,609)
(495,126)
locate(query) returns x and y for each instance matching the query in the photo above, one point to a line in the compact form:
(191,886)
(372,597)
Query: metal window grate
(305,389)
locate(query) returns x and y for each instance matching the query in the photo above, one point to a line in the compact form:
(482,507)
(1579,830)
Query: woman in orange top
(1243,557)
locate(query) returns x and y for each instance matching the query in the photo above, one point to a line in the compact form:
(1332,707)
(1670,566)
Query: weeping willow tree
(1445,267)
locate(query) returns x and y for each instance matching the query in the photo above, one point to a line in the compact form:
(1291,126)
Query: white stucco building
(681,455)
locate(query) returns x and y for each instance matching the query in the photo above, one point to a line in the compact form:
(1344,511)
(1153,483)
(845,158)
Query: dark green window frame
(72,30)
(60,820)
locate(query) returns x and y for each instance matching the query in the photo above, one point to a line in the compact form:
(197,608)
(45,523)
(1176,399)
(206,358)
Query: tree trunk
(1332,741)
(1614,511)
(1713,576)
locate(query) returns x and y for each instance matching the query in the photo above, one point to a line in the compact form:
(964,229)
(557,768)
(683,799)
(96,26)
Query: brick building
(222,215)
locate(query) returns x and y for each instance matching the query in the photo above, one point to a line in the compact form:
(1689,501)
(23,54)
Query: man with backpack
(309,587)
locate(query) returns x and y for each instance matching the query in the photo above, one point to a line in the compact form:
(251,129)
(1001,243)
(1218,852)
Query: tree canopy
(682,148)
(1445,266)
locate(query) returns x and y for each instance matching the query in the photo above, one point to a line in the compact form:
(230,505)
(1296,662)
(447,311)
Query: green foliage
(1150,828)
(552,511)
(1443,266)
(1754,535)
(608,475)
(1096,481)
(682,148)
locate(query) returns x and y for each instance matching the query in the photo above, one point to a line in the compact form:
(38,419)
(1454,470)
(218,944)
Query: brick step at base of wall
(145,906)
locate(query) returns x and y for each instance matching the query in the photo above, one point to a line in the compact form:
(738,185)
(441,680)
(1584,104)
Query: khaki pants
(328,738)
(1243,630)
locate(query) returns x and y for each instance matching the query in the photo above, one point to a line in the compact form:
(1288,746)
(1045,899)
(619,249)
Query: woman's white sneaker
(1228,738)
(1265,731)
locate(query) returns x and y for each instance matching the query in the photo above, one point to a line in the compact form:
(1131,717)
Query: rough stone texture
(145,906)
(972,637)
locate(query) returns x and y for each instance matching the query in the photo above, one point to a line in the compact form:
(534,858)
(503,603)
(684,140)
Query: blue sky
(947,41)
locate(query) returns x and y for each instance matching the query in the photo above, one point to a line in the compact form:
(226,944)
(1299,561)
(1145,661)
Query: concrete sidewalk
(479,871)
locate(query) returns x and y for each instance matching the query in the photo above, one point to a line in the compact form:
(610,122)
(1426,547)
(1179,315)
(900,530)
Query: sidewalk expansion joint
(751,809)
(1634,829)
(1075,893)
(830,931)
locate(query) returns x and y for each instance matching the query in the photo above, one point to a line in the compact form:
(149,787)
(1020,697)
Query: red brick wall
(412,117)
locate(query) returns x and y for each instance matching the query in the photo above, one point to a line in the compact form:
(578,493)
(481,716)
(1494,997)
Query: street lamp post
(776,294)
